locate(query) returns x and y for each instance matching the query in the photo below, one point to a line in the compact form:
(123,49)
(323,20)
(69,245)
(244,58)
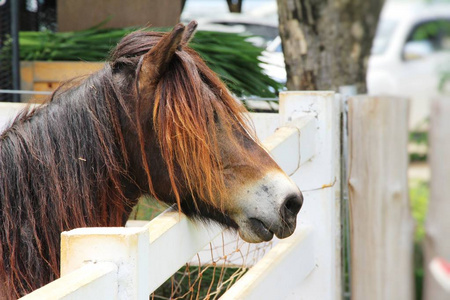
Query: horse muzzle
(270,208)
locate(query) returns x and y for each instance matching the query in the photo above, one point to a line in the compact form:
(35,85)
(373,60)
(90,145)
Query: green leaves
(86,45)
(230,55)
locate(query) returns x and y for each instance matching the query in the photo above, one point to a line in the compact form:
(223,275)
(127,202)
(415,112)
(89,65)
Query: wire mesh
(210,279)
(213,270)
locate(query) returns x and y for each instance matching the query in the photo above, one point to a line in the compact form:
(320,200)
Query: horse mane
(62,165)
(53,160)
(189,100)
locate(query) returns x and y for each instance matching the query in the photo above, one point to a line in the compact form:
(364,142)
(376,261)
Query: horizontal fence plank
(146,256)
(91,281)
(287,264)
(307,127)
(174,240)
(293,144)
(125,247)
(8,111)
(265,124)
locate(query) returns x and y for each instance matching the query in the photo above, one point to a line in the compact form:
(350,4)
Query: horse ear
(189,33)
(155,62)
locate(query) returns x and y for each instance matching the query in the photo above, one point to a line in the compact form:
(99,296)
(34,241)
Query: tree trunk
(326,43)
(235,6)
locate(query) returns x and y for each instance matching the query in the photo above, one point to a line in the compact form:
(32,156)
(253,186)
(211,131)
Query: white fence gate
(132,262)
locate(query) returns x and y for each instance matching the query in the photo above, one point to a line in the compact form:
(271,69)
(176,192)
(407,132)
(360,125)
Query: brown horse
(155,120)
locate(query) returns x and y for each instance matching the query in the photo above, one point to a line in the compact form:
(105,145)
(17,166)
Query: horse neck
(72,152)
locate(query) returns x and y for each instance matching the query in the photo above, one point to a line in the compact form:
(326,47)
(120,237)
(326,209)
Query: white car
(410,54)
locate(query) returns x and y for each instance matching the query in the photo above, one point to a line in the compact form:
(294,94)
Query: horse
(154,121)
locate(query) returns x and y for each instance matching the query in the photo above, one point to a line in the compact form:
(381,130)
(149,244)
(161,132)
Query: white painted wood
(380,219)
(323,282)
(308,131)
(293,144)
(8,111)
(171,246)
(319,180)
(289,262)
(325,107)
(284,148)
(146,256)
(127,248)
(136,223)
(264,124)
(91,281)
(437,225)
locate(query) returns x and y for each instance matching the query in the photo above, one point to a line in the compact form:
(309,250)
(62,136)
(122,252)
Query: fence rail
(287,264)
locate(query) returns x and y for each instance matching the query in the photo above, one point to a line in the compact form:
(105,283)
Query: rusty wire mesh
(213,270)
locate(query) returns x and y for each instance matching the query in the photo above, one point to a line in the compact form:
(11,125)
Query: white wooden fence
(132,262)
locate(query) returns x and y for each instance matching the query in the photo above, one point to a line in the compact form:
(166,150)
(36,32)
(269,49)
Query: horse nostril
(292,205)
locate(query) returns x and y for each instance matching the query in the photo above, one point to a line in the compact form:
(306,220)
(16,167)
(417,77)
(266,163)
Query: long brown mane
(71,162)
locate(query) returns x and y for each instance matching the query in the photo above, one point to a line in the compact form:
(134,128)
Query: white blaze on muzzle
(268,206)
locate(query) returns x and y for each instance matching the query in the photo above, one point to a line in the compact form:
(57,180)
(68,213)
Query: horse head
(195,146)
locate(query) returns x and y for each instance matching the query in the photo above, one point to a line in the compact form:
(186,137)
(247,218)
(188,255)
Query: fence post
(437,242)
(319,180)
(380,217)
(127,248)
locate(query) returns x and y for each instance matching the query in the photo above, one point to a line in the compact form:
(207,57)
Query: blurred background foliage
(230,55)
